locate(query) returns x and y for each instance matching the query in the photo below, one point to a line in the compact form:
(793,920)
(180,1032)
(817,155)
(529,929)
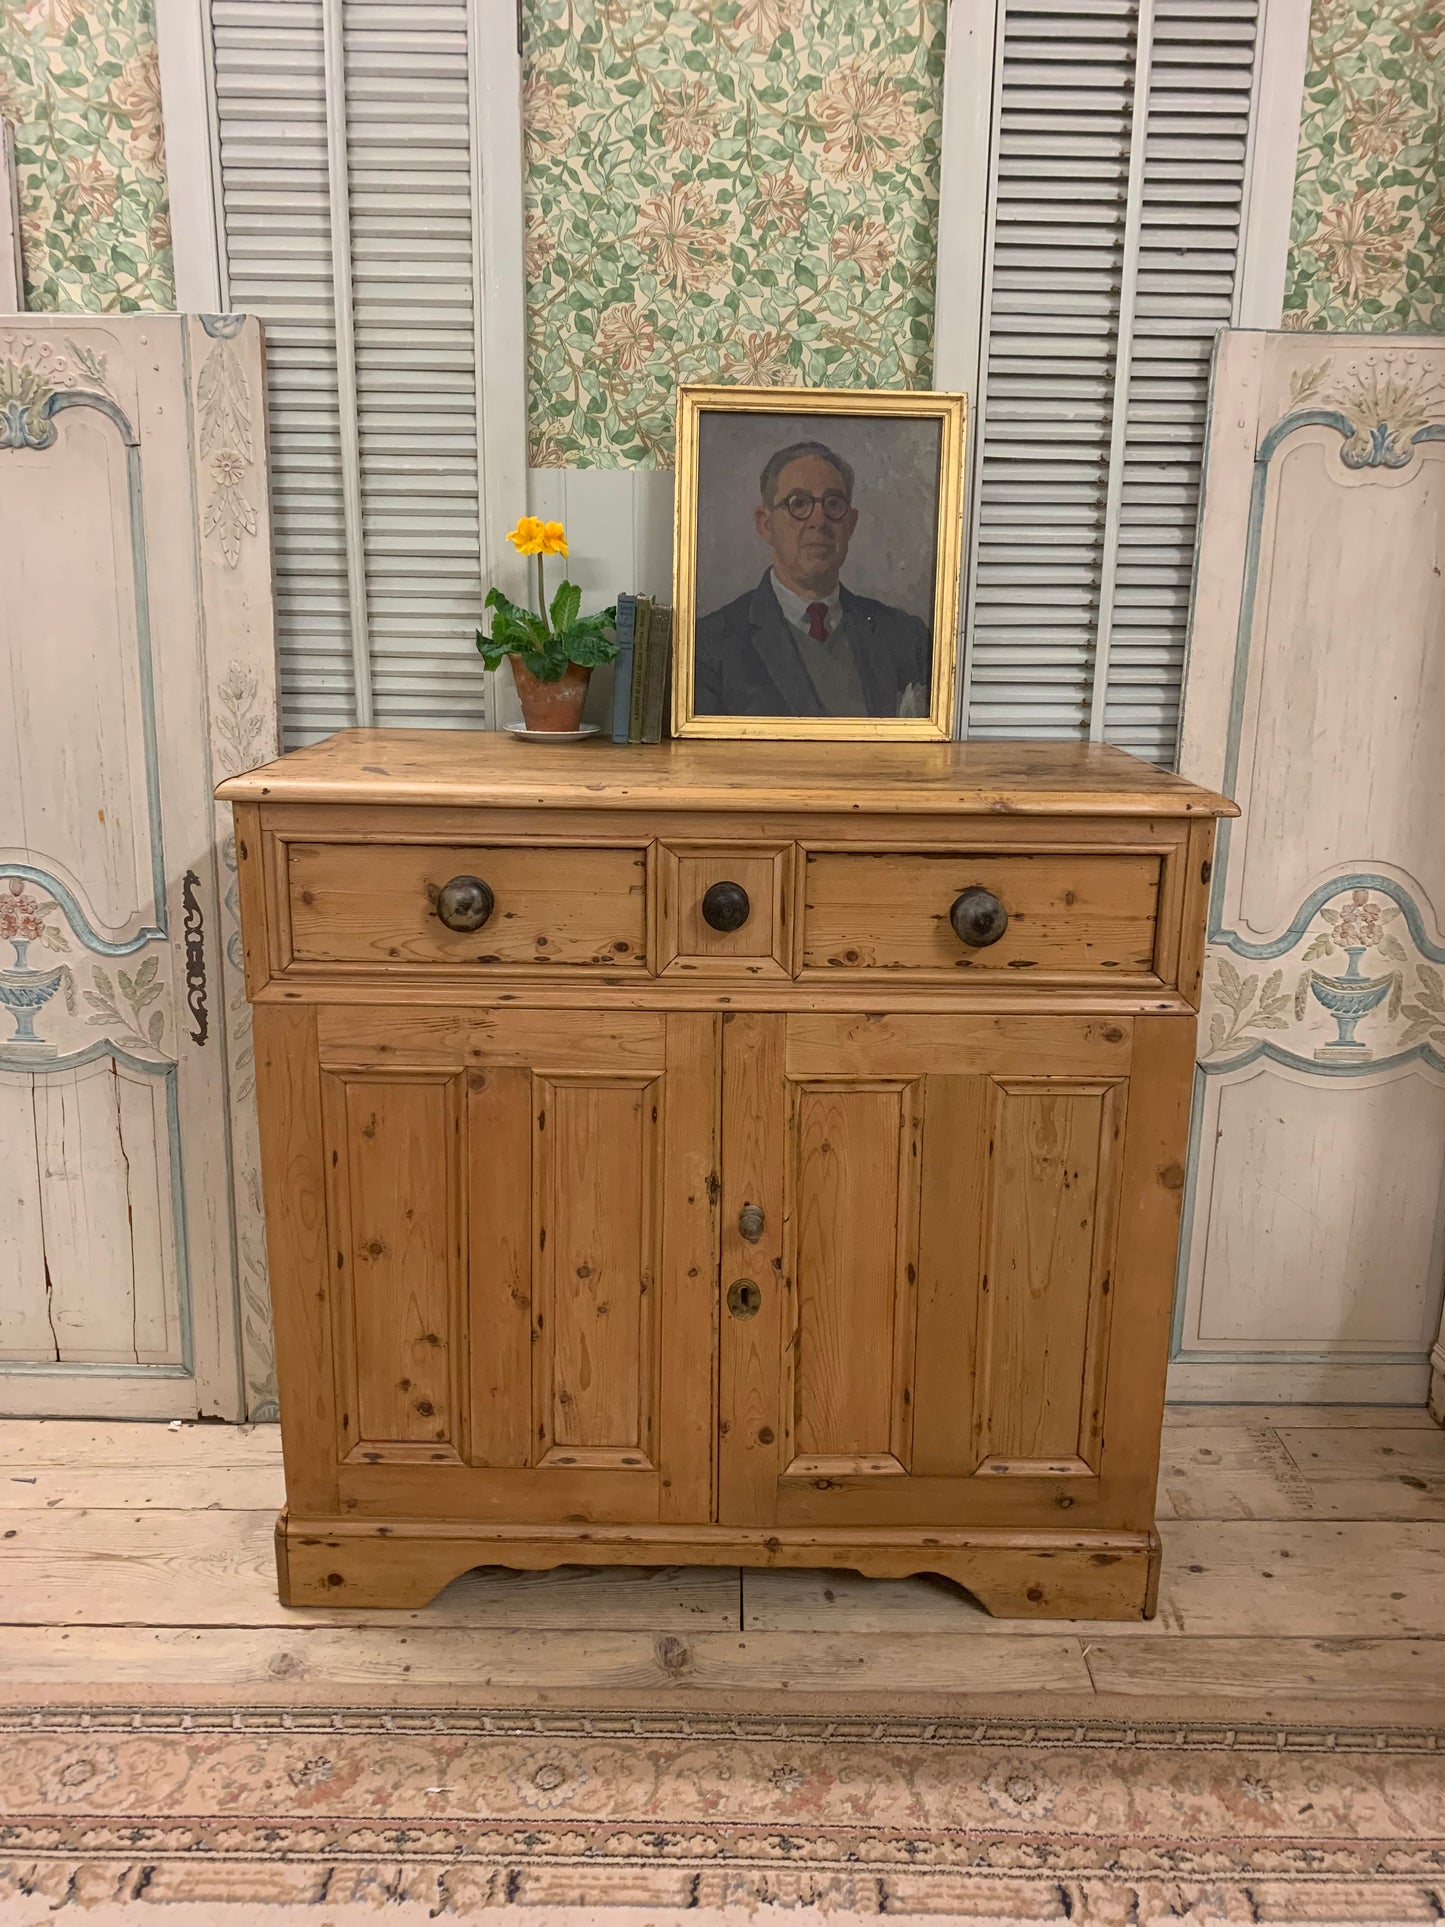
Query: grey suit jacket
(747,661)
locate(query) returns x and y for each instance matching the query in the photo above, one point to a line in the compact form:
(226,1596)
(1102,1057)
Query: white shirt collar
(796,607)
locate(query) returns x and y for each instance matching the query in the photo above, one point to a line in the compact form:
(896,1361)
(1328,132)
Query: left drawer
(416,903)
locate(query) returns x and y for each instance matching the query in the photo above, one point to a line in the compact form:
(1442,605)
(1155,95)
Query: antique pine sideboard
(741,1153)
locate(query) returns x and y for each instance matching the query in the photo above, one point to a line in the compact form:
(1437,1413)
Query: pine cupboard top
(451,768)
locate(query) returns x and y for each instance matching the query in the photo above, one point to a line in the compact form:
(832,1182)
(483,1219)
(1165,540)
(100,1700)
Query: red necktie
(817,614)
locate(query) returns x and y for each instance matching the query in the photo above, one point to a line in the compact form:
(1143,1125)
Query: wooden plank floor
(1304,1574)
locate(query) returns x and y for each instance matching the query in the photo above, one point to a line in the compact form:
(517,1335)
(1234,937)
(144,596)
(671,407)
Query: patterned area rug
(185,1818)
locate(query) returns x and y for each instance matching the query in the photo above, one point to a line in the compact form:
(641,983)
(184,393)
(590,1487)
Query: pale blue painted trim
(179,1217)
(1285,427)
(1419,1053)
(1300,1358)
(83,398)
(54,405)
(1313,903)
(79,923)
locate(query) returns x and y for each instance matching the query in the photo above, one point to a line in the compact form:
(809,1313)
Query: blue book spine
(622,668)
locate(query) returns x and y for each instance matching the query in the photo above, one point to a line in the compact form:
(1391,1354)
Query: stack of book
(642,689)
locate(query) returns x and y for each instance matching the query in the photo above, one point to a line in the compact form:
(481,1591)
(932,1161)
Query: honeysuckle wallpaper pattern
(1368,243)
(79,83)
(726,190)
(740,188)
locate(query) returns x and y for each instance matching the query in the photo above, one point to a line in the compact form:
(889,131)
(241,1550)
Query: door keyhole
(744,1298)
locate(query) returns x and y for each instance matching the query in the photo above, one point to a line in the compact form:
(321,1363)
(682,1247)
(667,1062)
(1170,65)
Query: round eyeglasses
(800,504)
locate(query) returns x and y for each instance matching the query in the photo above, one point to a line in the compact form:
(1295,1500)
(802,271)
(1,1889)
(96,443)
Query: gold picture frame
(695,405)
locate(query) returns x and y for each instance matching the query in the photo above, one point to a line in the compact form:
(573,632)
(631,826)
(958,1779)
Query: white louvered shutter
(1119,145)
(349,207)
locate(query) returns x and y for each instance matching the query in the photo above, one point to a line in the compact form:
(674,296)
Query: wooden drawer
(376,903)
(759,946)
(1071,914)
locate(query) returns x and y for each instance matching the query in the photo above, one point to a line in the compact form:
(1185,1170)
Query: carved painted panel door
(1314,1253)
(947,1254)
(136,669)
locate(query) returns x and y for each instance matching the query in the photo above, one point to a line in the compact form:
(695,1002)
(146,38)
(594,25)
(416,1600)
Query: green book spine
(641,649)
(659,665)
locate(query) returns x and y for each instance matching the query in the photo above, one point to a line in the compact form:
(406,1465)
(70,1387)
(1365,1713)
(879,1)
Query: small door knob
(725,906)
(465,903)
(978,918)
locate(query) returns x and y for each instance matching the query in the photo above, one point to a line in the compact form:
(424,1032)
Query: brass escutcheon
(744,1298)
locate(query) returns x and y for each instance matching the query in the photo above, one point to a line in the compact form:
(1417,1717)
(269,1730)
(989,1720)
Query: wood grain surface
(482,768)
(141,1567)
(516,1338)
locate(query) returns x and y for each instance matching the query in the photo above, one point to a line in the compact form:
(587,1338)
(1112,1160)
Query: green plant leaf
(588,646)
(565,606)
(545,666)
(490,652)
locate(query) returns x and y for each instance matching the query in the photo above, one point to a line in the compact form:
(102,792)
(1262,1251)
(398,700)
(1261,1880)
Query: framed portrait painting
(817,554)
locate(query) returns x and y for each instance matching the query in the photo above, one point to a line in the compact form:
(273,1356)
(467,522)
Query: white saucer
(552,735)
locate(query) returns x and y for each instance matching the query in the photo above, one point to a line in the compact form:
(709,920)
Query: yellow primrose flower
(530,536)
(554,539)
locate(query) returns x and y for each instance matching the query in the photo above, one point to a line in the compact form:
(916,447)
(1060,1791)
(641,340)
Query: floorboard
(478,1662)
(1304,1565)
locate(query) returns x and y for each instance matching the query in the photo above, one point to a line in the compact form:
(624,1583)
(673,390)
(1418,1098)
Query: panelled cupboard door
(510,1314)
(947,1263)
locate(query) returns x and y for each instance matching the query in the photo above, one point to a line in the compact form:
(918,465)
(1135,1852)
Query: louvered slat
(1083,539)
(393,418)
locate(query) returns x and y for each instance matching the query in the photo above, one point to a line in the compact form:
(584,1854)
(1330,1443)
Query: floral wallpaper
(735,190)
(1368,243)
(78,81)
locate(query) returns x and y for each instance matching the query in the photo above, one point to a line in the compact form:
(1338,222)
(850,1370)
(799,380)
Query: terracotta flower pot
(551,705)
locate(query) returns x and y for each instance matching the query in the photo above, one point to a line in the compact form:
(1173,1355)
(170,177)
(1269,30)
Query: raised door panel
(396,1210)
(853,1182)
(522,1262)
(594,1315)
(933,1260)
(1053,1165)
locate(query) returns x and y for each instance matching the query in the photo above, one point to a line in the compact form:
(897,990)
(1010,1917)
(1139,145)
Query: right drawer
(1083,914)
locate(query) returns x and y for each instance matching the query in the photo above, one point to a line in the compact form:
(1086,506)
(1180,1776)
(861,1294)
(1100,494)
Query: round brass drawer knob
(725,906)
(978,918)
(465,903)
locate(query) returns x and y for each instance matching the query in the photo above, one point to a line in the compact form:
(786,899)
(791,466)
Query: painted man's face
(809,548)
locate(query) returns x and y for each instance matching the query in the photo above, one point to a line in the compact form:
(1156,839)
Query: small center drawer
(1074,914)
(369,903)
